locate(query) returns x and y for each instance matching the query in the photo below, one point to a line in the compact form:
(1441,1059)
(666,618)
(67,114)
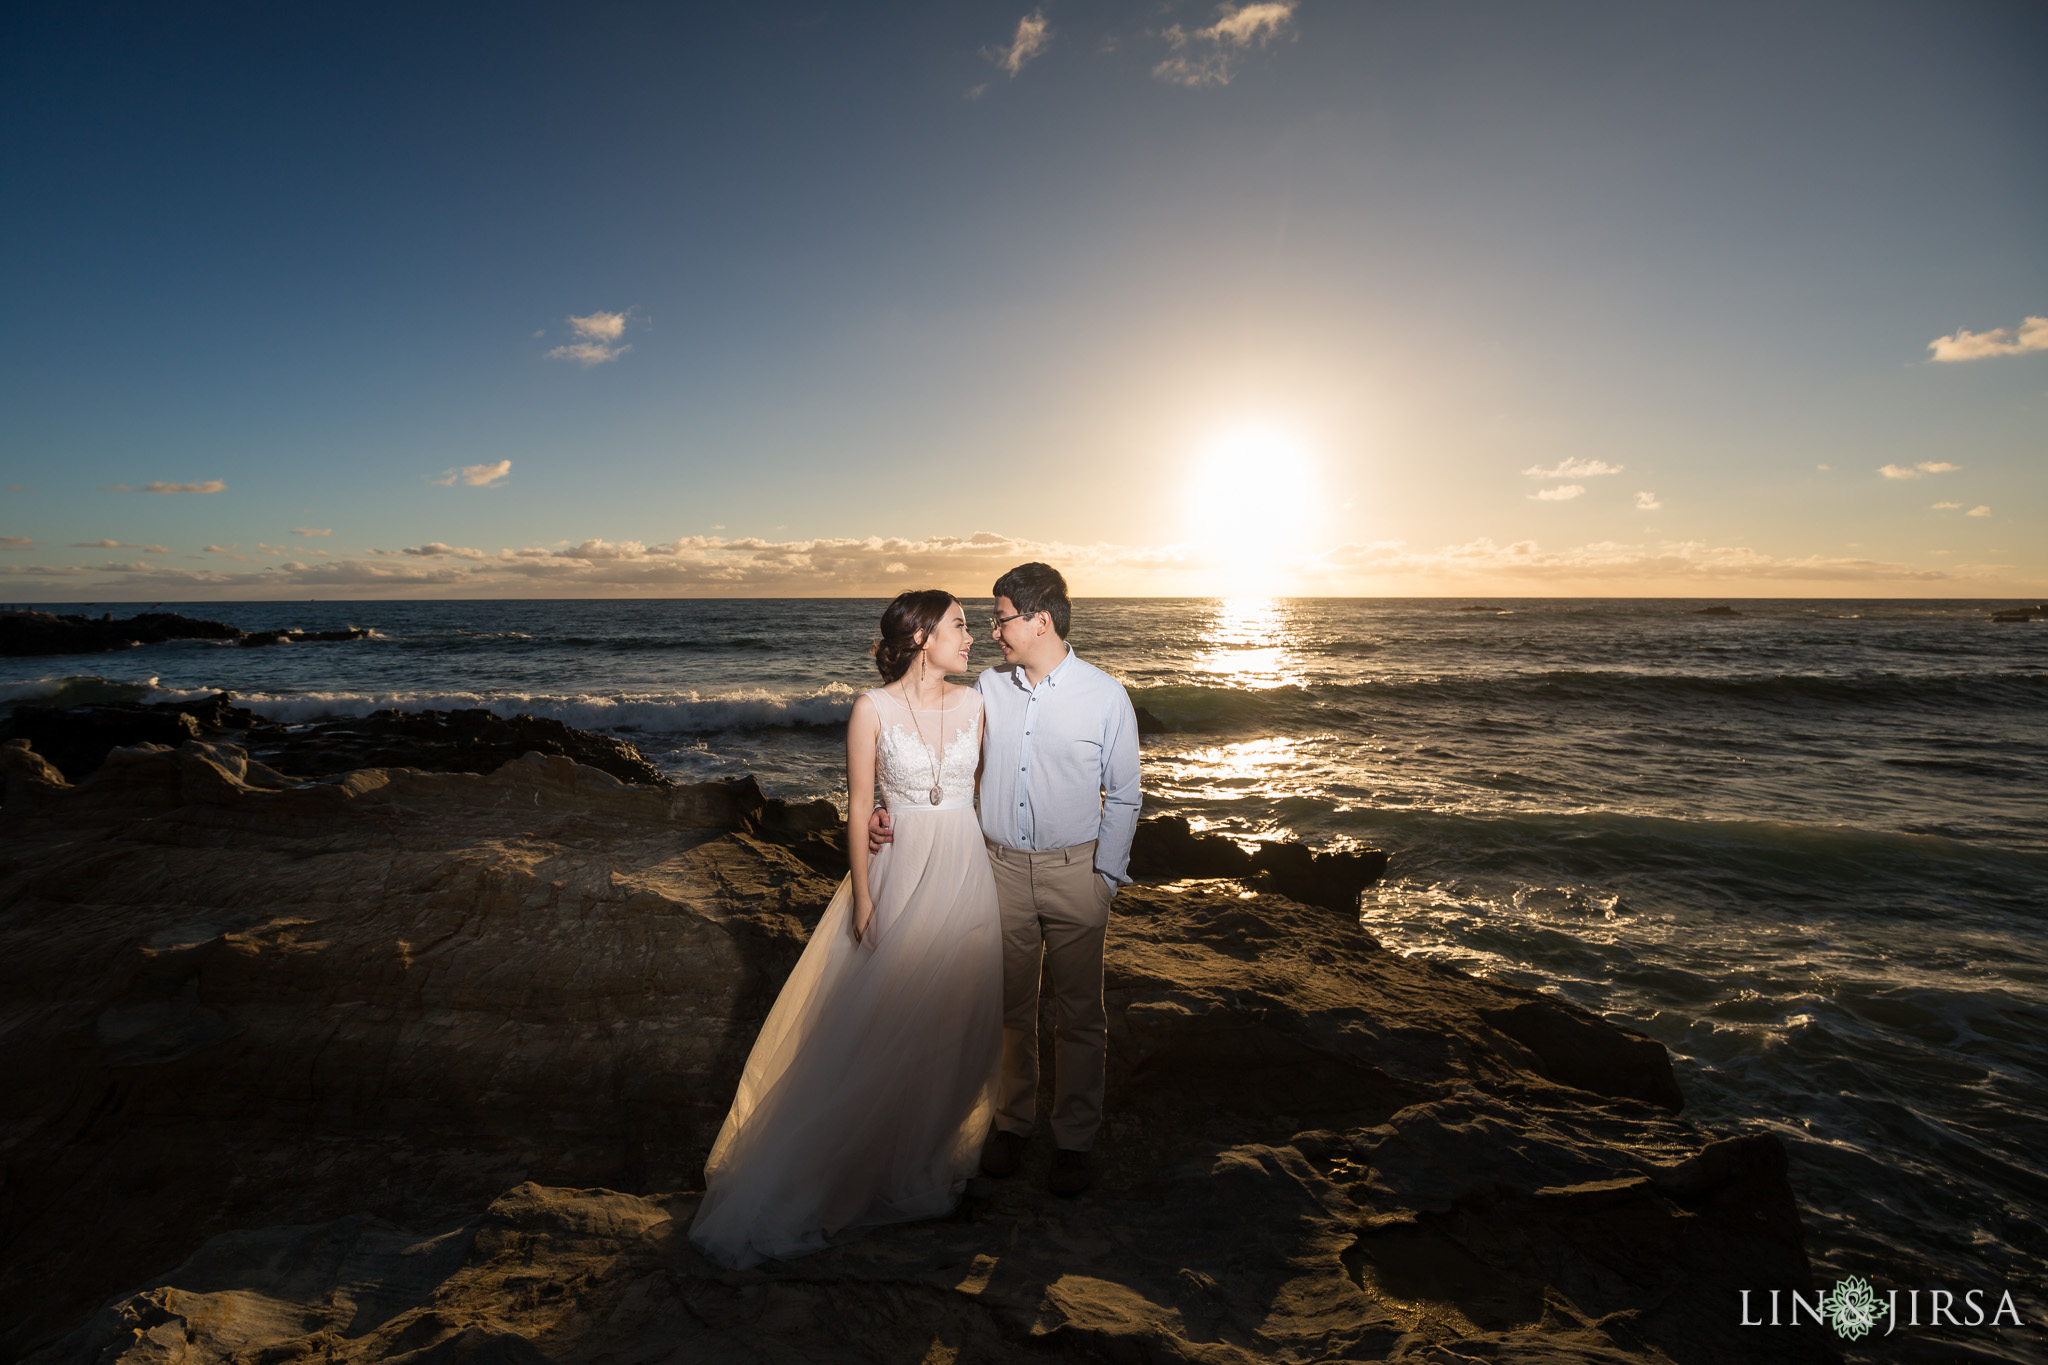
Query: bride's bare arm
(863,730)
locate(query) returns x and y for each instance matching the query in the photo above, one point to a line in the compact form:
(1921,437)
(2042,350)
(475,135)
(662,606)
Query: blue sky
(1187,298)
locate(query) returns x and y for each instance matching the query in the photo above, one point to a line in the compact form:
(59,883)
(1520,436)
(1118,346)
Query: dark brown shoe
(1002,1154)
(1070,1173)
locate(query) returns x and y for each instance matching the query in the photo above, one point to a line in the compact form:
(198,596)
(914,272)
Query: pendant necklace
(938,791)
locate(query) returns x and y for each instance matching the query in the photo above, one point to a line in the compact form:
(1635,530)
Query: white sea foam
(674,713)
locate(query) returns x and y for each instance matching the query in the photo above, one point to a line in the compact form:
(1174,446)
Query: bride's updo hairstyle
(911,616)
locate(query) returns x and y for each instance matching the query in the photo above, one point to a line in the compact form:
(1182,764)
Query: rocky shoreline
(399,1063)
(26,634)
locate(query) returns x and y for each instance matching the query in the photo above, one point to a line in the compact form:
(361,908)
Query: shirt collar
(1023,681)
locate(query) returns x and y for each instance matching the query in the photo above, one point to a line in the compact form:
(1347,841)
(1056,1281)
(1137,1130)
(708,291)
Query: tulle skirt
(872,1083)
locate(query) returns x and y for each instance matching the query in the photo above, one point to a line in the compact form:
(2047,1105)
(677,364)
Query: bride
(871,1086)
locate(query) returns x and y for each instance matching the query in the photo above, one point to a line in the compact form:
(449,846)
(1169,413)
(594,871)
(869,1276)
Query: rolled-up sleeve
(1120,789)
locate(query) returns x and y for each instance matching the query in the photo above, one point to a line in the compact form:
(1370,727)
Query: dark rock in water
(1166,848)
(1717,611)
(2023,614)
(1149,724)
(1591,1054)
(465,741)
(259,1027)
(1332,880)
(77,739)
(302,637)
(25,633)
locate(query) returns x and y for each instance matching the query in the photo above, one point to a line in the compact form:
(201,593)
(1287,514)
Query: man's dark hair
(1033,588)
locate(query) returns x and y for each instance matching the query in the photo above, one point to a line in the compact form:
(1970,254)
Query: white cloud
(600,326)
(713,566)
(436,549)
(221,549)
(474,475)
(1899,471)
(1647,502)
(1944,506)
(1979,511)
(104,545)
(315,531)
(1562,493)
(16,542)
(588,353)
(1032,38)
(207,486)
(1209,56)
(2032,335)
(1823,466)
(1573,469)
(1674,560)
(599,332)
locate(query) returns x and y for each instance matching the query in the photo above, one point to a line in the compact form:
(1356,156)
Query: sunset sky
(1327,297)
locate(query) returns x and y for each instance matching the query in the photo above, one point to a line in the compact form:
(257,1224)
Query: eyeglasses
(998,622)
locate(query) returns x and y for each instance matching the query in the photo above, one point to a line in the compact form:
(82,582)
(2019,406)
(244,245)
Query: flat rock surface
(426,1065)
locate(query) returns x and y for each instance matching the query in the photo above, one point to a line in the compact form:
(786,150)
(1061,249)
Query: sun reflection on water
(1242,646)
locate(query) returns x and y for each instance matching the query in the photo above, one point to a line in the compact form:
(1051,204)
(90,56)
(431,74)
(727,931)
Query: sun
(1252,498)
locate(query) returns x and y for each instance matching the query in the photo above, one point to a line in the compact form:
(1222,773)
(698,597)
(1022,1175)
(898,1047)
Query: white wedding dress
(872,1083)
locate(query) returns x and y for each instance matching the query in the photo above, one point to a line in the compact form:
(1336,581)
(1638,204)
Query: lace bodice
(907,753)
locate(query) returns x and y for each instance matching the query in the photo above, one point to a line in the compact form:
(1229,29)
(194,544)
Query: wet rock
(77,739)
(1331,880)
(1717,611)
(1590,1054)
(301,637)
(25,633)
(463,741)
(814,831)
(259,1028)
(1166,848)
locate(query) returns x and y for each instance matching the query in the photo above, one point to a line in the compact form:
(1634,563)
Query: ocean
(1805,845)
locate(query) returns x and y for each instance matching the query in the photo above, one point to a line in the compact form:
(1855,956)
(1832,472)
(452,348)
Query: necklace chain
(938,792)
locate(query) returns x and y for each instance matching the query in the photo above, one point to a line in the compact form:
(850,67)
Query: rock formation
(1166,847)
(424,1066)
(76,738)
(25,633)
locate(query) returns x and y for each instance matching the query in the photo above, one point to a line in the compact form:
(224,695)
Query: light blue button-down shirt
(1059,762)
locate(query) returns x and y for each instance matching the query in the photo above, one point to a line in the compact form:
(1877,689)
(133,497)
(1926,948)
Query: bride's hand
(863,915)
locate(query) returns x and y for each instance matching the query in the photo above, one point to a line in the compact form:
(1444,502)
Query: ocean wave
(78,689)
(1778,863)
(640,643)
(1196,708)
(688,713)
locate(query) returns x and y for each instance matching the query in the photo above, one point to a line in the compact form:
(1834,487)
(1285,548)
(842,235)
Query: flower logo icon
(1851,1308)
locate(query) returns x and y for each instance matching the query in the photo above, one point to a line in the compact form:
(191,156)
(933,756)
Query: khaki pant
(1055,907)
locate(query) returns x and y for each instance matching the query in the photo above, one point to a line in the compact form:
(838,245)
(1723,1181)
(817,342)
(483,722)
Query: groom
(1059,802)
